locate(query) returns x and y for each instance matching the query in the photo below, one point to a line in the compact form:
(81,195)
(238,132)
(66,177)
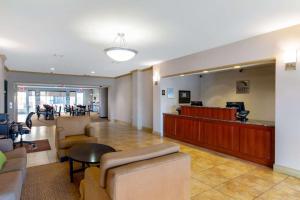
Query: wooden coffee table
(86,154)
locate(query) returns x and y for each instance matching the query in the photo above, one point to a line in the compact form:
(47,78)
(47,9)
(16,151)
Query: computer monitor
(196,103)
(240,106)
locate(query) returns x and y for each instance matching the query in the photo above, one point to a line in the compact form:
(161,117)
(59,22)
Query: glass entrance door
(22,102)
(31,101)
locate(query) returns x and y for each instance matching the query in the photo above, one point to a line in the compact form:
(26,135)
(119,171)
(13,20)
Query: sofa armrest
(169,174)
(115,159)
(6,145)
(90,131)
(59,135)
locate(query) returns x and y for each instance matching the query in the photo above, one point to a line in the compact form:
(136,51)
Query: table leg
(71,169)
(82,165)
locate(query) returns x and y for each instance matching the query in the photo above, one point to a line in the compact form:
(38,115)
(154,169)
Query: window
(21,100)
(79,98)
(72,98)
(53,98)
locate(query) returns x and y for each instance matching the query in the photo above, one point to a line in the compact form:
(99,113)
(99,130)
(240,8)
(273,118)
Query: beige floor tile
(242,191)
(293,183)
(202,164)
(241,165)
(252,180)
(280,192)
(229,172)
(211,195)
(197,187)
(268,175)
(210,177)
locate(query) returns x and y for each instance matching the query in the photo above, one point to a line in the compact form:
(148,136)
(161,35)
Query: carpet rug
(41,145)
(51,182)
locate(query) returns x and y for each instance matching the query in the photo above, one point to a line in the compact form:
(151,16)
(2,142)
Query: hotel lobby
(160,100)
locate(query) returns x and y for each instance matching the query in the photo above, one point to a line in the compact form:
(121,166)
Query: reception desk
(252,140)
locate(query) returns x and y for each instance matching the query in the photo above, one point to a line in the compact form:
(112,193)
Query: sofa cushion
(16,164)
(72,125)
(69,141)
(2,159)
(11,185)
(16,153)
(115,159)
(6,145)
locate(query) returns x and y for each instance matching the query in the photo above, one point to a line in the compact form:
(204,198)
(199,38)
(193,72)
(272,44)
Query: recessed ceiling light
(237,67)
(52,68)
(205,71)
(92,72)
(58,55)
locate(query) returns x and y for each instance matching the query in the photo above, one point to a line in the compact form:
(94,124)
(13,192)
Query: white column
(136,85)
(287,127)
(157,115)
(103,102)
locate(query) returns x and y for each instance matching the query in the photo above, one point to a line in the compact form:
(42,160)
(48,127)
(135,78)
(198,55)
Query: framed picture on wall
(243,87)
(184,96)
(170,93)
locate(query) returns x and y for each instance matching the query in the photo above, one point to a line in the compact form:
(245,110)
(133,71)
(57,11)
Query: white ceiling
(32,31)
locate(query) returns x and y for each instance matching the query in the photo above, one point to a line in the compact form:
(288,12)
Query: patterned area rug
(51,182)
(41,145)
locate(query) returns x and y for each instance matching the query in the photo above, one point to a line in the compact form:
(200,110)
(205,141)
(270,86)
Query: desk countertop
(249,122)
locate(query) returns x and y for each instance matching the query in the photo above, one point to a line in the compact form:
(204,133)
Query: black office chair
(38,111)
(21,130)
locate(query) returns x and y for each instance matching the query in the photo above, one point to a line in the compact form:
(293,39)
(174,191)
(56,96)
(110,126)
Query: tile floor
(214,176)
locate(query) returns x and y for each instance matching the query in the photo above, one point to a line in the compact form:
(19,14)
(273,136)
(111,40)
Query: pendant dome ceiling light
(120,54)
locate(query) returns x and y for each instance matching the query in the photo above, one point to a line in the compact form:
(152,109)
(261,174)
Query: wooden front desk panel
(247,141)
(209,112)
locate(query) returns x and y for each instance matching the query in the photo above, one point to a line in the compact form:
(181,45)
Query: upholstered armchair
(155,172)
(70,131)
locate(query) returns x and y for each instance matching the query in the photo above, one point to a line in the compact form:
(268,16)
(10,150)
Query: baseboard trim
(147,129)
(144,128)
(287,170)
(156,133)
(122,122)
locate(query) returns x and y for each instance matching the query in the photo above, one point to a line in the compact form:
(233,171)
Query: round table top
(89,152)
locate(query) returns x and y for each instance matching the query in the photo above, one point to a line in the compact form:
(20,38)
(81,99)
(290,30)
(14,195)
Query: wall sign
(243,87)
(170,93)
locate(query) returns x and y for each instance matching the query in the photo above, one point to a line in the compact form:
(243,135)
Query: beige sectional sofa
(13,173)
(155,172)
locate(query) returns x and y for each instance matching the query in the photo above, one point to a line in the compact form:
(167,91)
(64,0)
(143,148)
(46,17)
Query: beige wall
(191,83)
(2,78)
(218,88)
(122,99)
